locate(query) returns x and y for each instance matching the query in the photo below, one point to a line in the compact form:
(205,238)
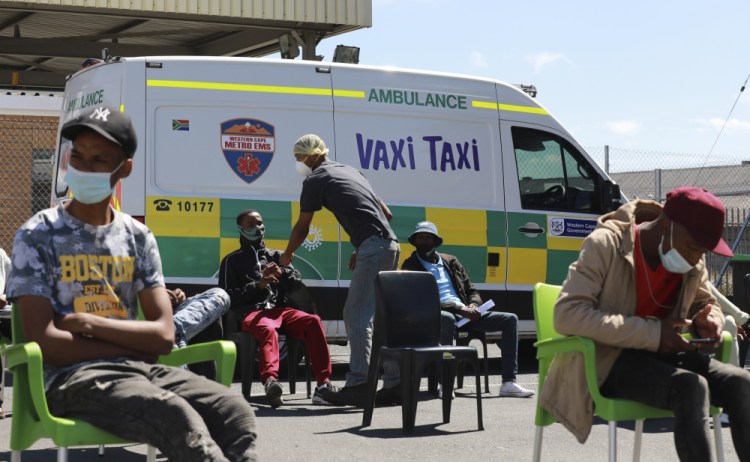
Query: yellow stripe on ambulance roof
(507,107)
(254,88)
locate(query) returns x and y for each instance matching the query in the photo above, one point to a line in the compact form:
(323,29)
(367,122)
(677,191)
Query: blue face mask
(253,234)
(90,187)
(673,261)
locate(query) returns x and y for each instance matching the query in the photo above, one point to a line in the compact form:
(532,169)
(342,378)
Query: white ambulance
(511,191)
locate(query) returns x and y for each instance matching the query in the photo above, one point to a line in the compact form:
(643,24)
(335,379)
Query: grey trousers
(375,254)
(186,416)
(686,384)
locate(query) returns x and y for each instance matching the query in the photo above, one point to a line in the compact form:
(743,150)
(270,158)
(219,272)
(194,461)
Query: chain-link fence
(27,144)
(651,175)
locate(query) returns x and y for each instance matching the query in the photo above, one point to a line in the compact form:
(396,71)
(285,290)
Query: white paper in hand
(485,306)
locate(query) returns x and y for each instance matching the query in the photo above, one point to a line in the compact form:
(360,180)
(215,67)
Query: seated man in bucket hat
(459,299)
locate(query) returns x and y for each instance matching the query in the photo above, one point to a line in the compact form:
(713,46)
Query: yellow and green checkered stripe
(194,236)
(192,243)
(543,258)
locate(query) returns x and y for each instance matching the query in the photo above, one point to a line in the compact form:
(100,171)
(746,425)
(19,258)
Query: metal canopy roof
(43,41)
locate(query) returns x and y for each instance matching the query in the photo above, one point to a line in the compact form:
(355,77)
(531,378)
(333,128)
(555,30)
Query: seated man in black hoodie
(257,286)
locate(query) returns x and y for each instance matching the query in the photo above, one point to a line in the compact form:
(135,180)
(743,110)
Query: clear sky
(657,75)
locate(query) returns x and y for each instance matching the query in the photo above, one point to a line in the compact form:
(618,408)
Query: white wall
(43,105)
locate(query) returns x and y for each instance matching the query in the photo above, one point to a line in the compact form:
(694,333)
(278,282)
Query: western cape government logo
(248,146)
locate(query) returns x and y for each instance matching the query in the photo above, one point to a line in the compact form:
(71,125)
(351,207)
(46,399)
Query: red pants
(262,324)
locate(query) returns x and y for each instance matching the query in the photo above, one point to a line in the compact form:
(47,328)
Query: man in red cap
(639,280)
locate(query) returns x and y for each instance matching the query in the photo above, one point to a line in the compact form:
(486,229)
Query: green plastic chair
(31,419)
(549,343)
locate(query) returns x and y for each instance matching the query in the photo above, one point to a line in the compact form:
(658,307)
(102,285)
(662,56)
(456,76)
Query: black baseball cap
(106,121)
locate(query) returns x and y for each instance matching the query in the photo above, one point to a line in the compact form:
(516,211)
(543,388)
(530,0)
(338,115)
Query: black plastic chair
(248,349)
(247,345)
(463,338)
(407,330)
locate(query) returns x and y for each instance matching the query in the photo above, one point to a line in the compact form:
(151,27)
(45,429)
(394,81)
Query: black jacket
(240,275)
(457,273)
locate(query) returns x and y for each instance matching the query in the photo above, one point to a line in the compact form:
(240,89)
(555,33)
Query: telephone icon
(162,205)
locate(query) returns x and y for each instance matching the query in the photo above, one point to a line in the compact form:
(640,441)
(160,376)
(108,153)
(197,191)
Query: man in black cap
(79,273)
(639,281)
(460,299)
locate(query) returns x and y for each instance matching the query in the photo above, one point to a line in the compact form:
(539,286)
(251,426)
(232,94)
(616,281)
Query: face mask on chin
(673,261)
(90,187)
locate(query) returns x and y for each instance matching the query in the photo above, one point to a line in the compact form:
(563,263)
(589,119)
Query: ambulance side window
(552,174)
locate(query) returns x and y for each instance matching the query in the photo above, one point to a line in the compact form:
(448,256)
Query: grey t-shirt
(82,267)
(348,195)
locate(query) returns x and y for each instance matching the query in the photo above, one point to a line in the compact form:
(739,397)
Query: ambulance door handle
(531,229)
(526,230)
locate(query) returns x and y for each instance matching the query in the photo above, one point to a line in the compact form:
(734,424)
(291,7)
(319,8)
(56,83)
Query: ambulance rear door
(90,88)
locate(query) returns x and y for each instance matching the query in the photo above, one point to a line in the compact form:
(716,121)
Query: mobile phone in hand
(704,340)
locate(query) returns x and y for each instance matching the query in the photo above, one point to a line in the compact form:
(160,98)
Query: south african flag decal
(180,125)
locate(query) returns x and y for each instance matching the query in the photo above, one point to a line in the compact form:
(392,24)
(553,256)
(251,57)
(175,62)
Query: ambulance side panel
(220,135)
(431,154)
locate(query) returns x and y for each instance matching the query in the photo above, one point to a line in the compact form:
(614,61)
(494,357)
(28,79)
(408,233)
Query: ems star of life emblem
(248,146)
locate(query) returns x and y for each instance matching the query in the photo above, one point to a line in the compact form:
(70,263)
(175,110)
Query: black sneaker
(326,395)
(349,396)
(388,396)
(274,392)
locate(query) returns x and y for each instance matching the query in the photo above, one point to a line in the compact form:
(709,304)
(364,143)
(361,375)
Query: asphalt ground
(301,431)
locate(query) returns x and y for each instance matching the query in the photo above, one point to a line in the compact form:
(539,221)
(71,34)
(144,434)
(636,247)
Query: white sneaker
(514,390)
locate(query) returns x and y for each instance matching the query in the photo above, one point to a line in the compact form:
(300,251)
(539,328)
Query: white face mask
(90,187)
(303,169)
(673,261)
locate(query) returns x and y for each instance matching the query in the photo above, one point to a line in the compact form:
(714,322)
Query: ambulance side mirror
(611,196)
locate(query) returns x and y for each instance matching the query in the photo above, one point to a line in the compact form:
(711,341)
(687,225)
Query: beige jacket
(598,301)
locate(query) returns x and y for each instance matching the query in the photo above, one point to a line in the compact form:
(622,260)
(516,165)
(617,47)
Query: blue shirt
(445,285)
